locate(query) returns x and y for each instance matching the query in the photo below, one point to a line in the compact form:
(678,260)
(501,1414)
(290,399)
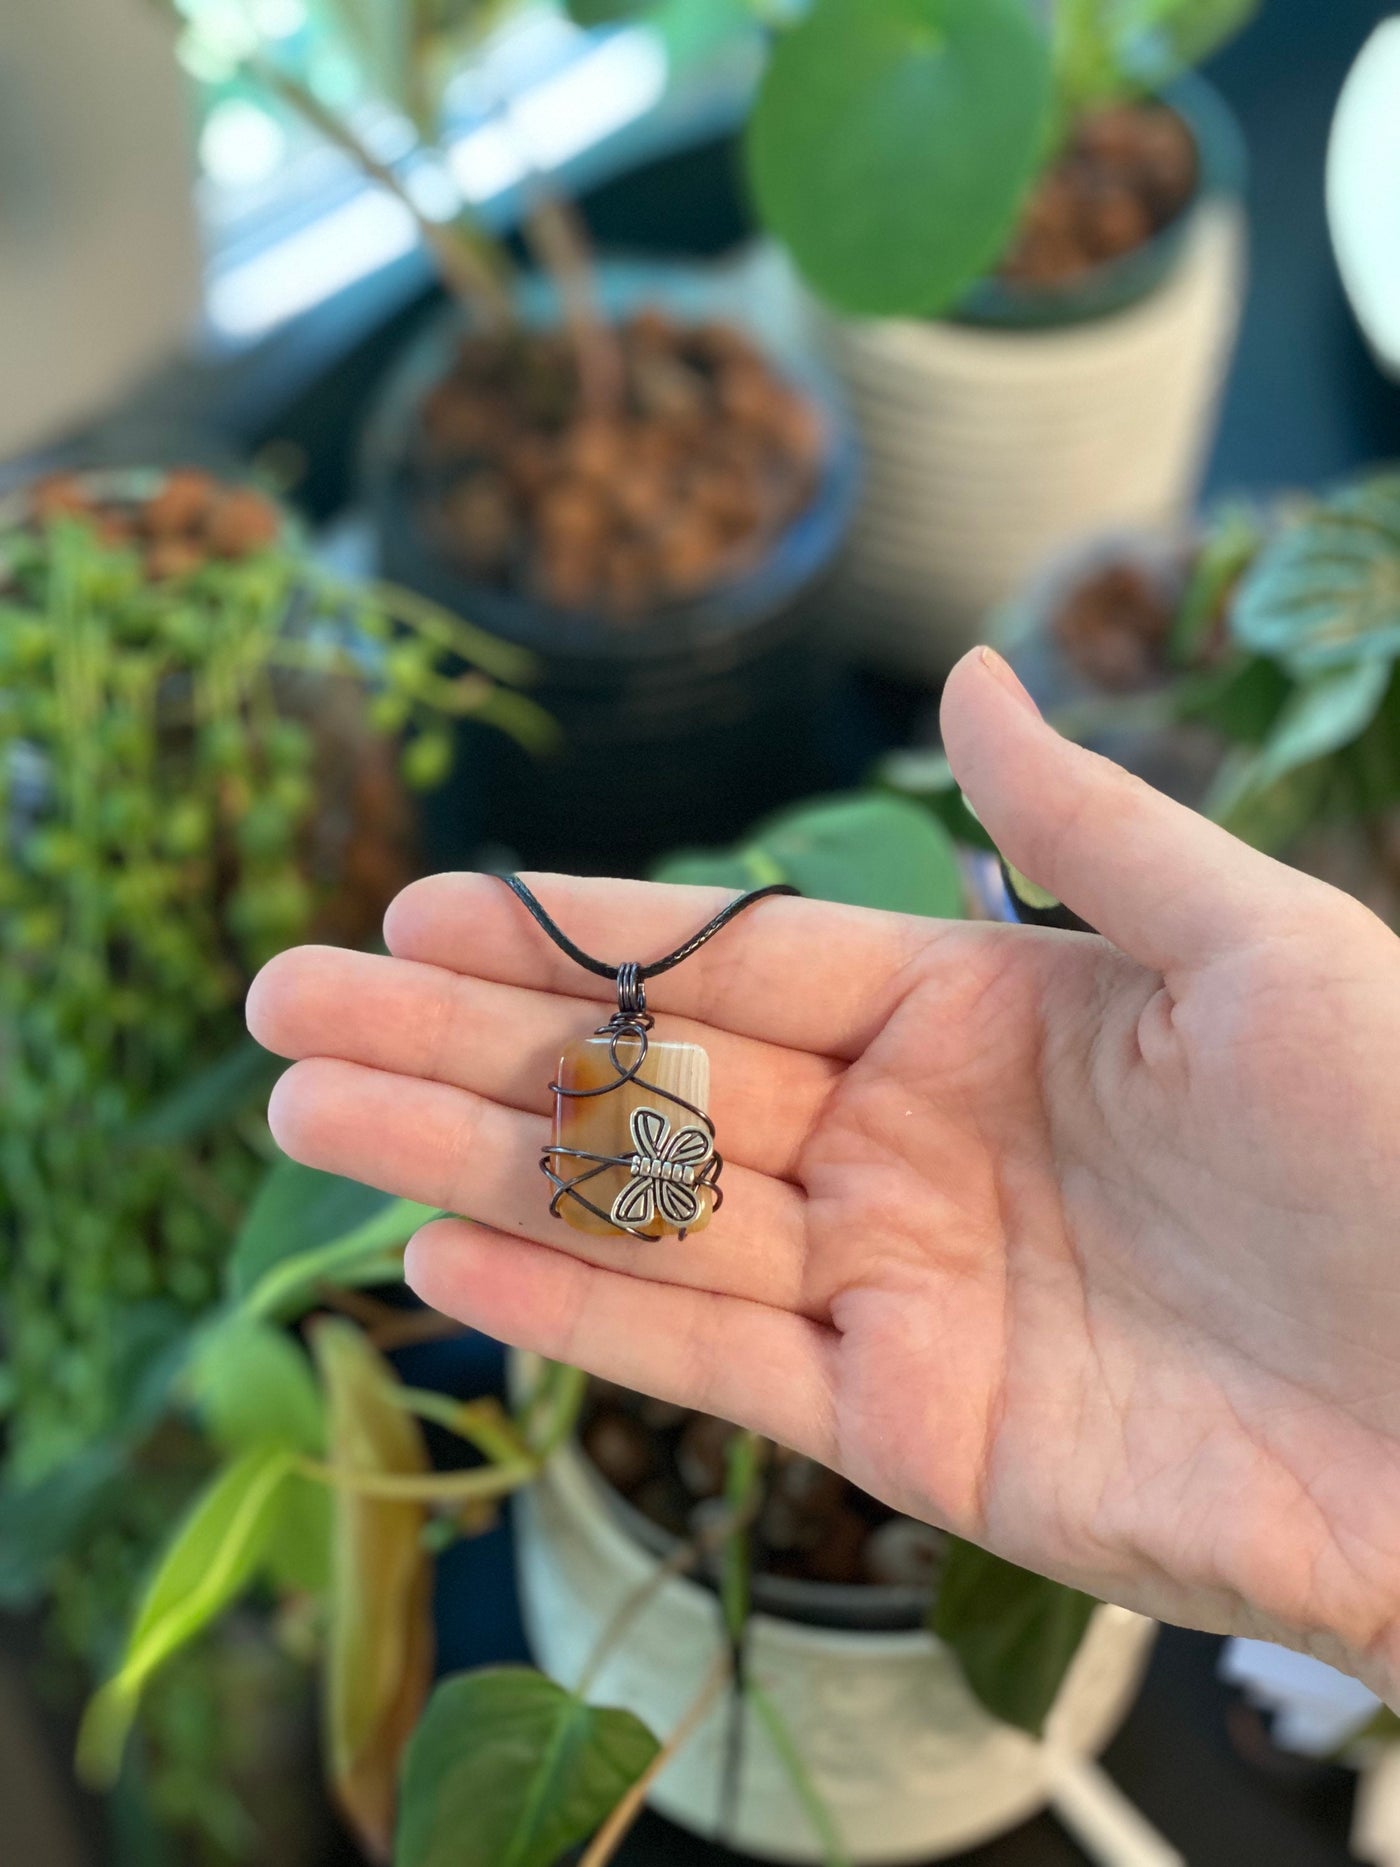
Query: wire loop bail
(631,991)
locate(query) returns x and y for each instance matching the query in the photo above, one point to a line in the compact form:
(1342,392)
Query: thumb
(1164,884)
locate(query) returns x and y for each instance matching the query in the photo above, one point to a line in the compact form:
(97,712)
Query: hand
(1085,1248)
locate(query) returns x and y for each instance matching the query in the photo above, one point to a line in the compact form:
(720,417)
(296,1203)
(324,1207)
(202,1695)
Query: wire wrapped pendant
(633,1148)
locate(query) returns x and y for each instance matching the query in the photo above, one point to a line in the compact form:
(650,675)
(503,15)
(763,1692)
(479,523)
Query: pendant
(633,1150)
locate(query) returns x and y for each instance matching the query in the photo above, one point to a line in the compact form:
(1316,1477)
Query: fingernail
(997,666)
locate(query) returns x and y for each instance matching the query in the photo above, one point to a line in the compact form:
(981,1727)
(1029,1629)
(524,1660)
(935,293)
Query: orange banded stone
(601,1124)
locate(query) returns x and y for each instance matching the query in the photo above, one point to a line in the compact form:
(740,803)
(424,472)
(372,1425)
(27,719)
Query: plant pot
(909,1765)
(993,442)
(681,726)
(1131,724)
(1134,726)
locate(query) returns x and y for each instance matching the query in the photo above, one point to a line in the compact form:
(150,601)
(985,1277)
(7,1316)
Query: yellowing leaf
(379,1658)
(207,1565)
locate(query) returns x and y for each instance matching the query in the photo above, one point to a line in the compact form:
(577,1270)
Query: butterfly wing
(636,1203)
(688,1147)
(649,1127)
(679,1204)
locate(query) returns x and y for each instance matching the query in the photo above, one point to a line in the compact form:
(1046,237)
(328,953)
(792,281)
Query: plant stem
(681,1561)
(386,1325)
(484,1424)
(560,244)
(459,259)
(562,1395)
(611,1835)
(818,1814)
(421,1487)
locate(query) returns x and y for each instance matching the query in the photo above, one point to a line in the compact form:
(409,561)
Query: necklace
(633,1152)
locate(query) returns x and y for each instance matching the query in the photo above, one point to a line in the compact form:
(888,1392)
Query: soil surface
(190,520)
(812,1525)
(1126,174)
(1116,622)
(674,474)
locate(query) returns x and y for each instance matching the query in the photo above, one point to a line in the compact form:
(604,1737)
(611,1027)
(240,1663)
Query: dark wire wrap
(631,1021)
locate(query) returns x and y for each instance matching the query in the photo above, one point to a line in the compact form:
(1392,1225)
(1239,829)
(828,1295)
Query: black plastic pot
(1112,286)
(679,729)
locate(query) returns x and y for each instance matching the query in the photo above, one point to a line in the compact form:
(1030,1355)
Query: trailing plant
(322,1487)
(203,744)
(168,748)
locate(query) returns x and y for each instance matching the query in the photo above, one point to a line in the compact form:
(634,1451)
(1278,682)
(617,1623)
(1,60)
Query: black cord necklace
(616,1161)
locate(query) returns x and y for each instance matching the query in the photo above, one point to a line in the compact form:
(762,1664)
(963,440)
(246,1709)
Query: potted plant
(202,749)
(594,465)
(1031,241)
(1248,667)
(877,1700)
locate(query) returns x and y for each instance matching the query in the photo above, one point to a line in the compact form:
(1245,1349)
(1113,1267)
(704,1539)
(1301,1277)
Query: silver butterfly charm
(665,1172)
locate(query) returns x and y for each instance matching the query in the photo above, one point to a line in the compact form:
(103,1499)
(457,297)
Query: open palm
(1085,1250)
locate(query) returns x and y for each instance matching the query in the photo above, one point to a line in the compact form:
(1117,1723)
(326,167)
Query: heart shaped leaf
(507,1769)
(306,1227)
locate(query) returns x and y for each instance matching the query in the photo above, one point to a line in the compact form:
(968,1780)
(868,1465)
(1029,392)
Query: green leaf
(305,1227)
(379,1641)
(1109,49)
(1269,797)
(1160,39)
(694,30)
(1325,713)
(866,850)
(43,1521)
(926,777)
(1014,1633)
(1374,761)
(1273,816)
(1326,590)
(1229,547)
(207,1564)
(590,13)
(507,1769)
(252,1385)
(893,141)
(1241,700)
(239,1080)
(299,1538)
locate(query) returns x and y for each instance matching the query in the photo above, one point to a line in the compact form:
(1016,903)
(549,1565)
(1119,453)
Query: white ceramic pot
(907,1762)
(989,450)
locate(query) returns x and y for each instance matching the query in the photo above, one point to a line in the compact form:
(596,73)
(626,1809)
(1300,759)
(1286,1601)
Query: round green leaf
(893,141)
(866,850)
(1327,589)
